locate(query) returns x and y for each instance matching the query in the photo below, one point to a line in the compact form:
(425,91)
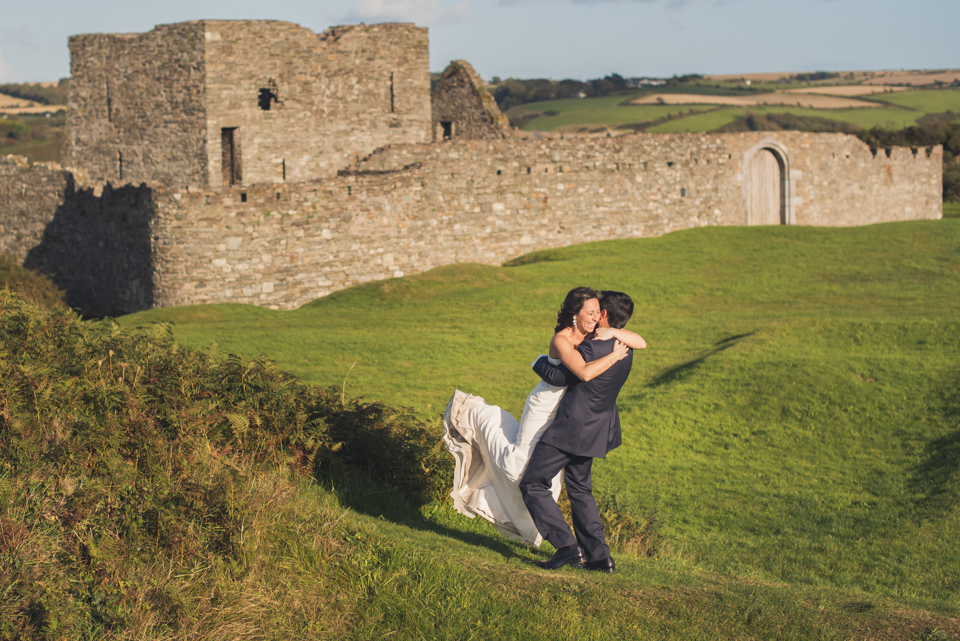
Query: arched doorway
(769,184)
(766,189)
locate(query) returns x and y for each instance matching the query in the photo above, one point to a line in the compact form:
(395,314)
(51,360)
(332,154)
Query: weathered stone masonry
(292,105)
(276,165)
(409,208)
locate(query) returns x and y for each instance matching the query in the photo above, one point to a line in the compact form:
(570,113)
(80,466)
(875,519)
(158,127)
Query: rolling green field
(604,110)
(794,423)
(925,100)
(902,109)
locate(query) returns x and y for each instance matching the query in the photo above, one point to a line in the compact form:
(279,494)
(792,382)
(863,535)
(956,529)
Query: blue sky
(549,38)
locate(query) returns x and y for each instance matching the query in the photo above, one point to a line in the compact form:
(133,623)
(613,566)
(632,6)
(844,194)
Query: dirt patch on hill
(11,105)
(915,77)
(847,90)
(811,101)
(10,101)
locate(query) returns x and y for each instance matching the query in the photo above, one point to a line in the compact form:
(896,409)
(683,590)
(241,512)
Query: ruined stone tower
(218,103)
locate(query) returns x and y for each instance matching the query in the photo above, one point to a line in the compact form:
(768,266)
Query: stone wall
(29,197)
(463,108)
(296,105)
(408,208)
(137,106)
(94,241)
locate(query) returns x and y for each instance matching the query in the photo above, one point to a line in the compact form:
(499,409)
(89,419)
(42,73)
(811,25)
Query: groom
(587,427)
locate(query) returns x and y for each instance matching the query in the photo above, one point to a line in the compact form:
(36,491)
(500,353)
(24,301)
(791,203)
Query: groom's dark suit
(587,426)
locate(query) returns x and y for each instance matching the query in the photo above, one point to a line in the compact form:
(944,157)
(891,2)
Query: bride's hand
(620,351)
(602,333)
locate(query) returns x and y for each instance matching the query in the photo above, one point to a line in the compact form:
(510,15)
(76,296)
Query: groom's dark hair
(619,308)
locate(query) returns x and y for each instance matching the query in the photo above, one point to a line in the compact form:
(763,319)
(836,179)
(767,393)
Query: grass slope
(901,109)
(794,422)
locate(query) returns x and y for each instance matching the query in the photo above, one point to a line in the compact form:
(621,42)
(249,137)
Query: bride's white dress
(491,450)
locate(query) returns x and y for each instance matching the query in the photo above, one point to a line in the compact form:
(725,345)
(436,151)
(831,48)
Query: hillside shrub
(121,447)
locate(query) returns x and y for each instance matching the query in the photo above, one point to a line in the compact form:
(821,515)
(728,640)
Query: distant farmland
(713,102)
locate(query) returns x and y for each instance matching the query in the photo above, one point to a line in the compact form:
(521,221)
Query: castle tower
(219,103)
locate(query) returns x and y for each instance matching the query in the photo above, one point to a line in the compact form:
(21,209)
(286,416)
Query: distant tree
(816,75)
(512,91)
(55,95)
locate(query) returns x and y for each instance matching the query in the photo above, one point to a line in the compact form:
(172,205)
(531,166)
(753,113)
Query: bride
(491,449)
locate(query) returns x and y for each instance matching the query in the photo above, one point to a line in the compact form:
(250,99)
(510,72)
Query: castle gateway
(258,162)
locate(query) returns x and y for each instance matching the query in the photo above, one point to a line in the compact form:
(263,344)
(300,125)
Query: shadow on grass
(937,478)
(371,498)
(679,372)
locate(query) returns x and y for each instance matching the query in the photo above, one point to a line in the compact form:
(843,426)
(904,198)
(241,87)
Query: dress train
(491,450)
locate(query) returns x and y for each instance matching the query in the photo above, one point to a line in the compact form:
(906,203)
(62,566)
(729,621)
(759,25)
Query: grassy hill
(793,428)
(794,421)
(897,110)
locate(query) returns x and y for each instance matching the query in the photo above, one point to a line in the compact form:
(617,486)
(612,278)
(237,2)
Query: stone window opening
(120,164)
(230,156)
(243,196)
(683,192)
(266,99)
(447,127)
(269,96)
(392,95)
(283,169)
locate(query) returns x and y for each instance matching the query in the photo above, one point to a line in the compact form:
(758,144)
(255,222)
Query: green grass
(925,101)
(605,110)
(951,209)
(901,109)
(793,423)
(701,122)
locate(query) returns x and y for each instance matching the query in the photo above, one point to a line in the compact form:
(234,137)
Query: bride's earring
(574,322)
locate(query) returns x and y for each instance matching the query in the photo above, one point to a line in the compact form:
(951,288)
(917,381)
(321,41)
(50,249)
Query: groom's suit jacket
(587,422)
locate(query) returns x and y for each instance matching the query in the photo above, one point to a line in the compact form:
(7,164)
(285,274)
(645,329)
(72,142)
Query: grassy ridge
(794,419)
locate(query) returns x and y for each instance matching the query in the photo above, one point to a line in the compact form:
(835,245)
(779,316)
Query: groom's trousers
(545,462)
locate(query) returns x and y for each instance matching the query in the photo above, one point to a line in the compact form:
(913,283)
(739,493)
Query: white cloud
(418,11)
(19,36)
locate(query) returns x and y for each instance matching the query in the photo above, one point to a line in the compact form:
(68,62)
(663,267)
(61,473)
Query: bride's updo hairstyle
(572,305)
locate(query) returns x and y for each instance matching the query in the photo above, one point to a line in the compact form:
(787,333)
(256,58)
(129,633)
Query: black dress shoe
(562,558)
(603,565)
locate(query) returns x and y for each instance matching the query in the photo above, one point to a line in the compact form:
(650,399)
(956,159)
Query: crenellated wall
(409,208)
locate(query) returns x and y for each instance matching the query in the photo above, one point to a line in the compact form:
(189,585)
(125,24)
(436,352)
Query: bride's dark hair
(572,305)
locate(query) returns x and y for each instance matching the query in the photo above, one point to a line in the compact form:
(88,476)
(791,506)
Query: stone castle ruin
(258,162)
